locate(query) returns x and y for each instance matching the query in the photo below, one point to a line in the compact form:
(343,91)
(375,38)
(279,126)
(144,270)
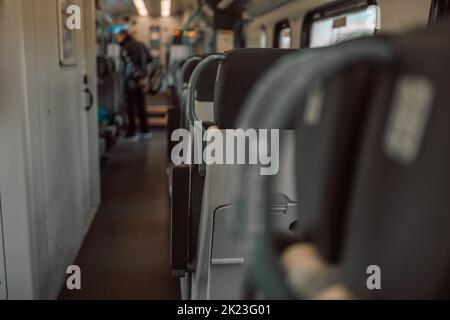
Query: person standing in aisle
(134,76)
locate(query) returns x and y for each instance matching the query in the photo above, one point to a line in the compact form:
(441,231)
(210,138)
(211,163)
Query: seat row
(362,180)
(371,169)
(203,251)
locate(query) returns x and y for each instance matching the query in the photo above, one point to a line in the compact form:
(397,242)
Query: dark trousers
(136,105)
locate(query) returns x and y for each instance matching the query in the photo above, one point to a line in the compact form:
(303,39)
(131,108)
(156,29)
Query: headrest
(236,76)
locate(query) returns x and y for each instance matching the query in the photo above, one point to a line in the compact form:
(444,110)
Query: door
(63,127)
(88,114)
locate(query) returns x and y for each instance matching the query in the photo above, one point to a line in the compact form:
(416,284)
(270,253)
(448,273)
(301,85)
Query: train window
(341,21)
(263,38)
(283,35)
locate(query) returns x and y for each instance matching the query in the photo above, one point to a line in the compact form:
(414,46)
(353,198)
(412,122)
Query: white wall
(396,16)
(403,15)
(14,181)
(48,171)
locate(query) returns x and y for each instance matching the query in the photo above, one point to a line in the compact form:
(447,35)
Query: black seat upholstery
(237,75)
(172,73)
(328,137)
(206,83)
(179,221)
(229,85)
(189,71)
(174,112)
(400,213)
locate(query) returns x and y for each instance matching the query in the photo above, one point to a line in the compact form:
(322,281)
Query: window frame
(263,32)
(279,26)
(330,10)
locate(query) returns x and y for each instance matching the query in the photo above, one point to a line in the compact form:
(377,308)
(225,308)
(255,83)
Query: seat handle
(182,73)
(192,86)
(91,99)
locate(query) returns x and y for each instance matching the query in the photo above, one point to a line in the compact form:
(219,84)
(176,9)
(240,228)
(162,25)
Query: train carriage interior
(224,150)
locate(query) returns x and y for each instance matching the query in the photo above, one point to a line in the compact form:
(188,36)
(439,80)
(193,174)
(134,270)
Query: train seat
(400,208)
(328,130)
(184,77)
(174,111)
(185,211)
(182,73)
(395,210)
(220,262)
(204,99)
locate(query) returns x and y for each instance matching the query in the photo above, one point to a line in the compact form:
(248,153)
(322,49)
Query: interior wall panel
(3,284)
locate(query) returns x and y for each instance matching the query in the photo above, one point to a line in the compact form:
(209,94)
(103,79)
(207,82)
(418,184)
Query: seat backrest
(189,70)
(204,109)
(206,83)
(236,77)
(172,74)
(328,132)
(238,80)
(204,99)
(219,261)
(400,211)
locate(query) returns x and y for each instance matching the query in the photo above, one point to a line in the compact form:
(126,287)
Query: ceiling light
(141,7)
(166,8)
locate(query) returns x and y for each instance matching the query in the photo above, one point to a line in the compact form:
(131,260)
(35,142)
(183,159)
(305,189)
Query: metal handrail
(182,73)
(192,86)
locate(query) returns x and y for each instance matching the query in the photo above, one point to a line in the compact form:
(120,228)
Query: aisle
(126,253)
